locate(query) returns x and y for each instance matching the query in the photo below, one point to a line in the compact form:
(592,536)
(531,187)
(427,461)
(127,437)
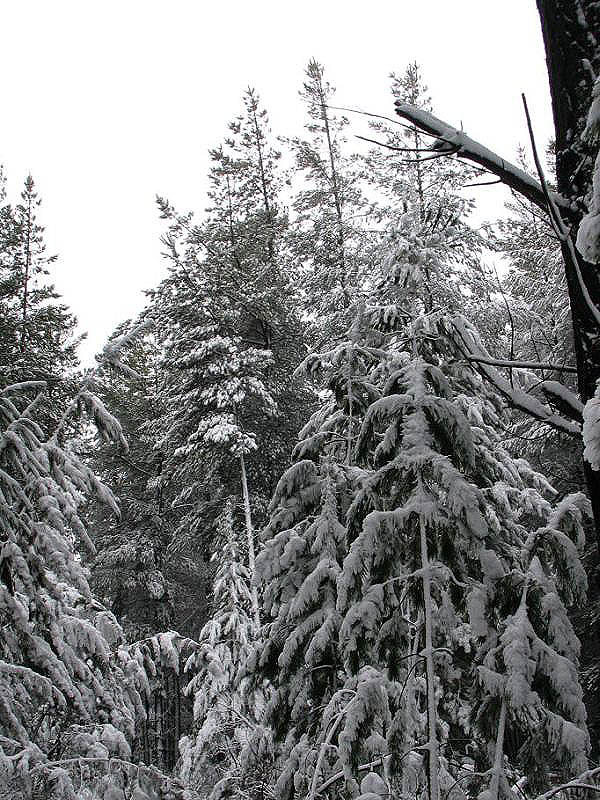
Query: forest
(323,520)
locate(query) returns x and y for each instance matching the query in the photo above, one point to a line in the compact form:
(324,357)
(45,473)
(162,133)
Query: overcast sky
(109,103)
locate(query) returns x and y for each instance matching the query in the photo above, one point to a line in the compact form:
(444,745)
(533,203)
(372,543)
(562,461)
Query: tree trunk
(427,653)
(26,278)
(250,534)
(573,58)
(499,754)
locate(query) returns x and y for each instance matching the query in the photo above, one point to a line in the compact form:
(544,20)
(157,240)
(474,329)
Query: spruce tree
(434,491)
(227,307)
(65,688)
(38,338)
(327,235)
(225,709)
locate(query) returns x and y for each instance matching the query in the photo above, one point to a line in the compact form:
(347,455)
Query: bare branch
(581,782)
(517,398)
(563,233)
(393,147)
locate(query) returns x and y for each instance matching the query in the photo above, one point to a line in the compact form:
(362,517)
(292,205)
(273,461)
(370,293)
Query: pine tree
(234,337)
(434,488)
(327,236)
(59,674)
(225,714)
(443,492)
(226,391)
(149,584)
(37,333)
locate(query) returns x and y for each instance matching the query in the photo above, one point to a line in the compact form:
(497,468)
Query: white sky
(109,103)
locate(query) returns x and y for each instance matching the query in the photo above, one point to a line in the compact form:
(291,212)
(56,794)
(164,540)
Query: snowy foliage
(591,431)
(402,626)
(588,235)
(226,708)
(60,666)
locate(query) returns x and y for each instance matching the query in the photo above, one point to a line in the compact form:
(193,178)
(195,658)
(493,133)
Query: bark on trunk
(427,653)
(250,534)
(573,58)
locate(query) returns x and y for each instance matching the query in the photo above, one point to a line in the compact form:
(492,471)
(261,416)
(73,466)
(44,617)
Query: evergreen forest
(323,521)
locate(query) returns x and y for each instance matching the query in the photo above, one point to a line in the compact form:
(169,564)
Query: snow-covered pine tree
(36,333)
(297,570)
(64,692)
(436,489)
(443,492)
(223,390)
(229,284)
(226,708)
(443,488)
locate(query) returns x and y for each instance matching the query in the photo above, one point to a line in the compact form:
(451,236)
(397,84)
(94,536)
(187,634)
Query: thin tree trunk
(499,754)
(350,413)
(337,197)
(27,268)
(265,193)
(432,744)
(250,535)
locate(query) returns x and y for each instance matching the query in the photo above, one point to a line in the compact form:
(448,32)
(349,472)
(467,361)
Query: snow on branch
(583,781)
(25,386)
(588,236)
(112,351)
(591,431)
(472,346)
(452,140)
(499,362)
(563,399)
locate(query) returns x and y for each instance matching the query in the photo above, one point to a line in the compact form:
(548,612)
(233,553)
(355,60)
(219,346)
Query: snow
(451,139)
(588,235)
(591,431)
(592,128)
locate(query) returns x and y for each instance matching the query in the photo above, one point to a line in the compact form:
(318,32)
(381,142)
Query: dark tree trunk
(570,28)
